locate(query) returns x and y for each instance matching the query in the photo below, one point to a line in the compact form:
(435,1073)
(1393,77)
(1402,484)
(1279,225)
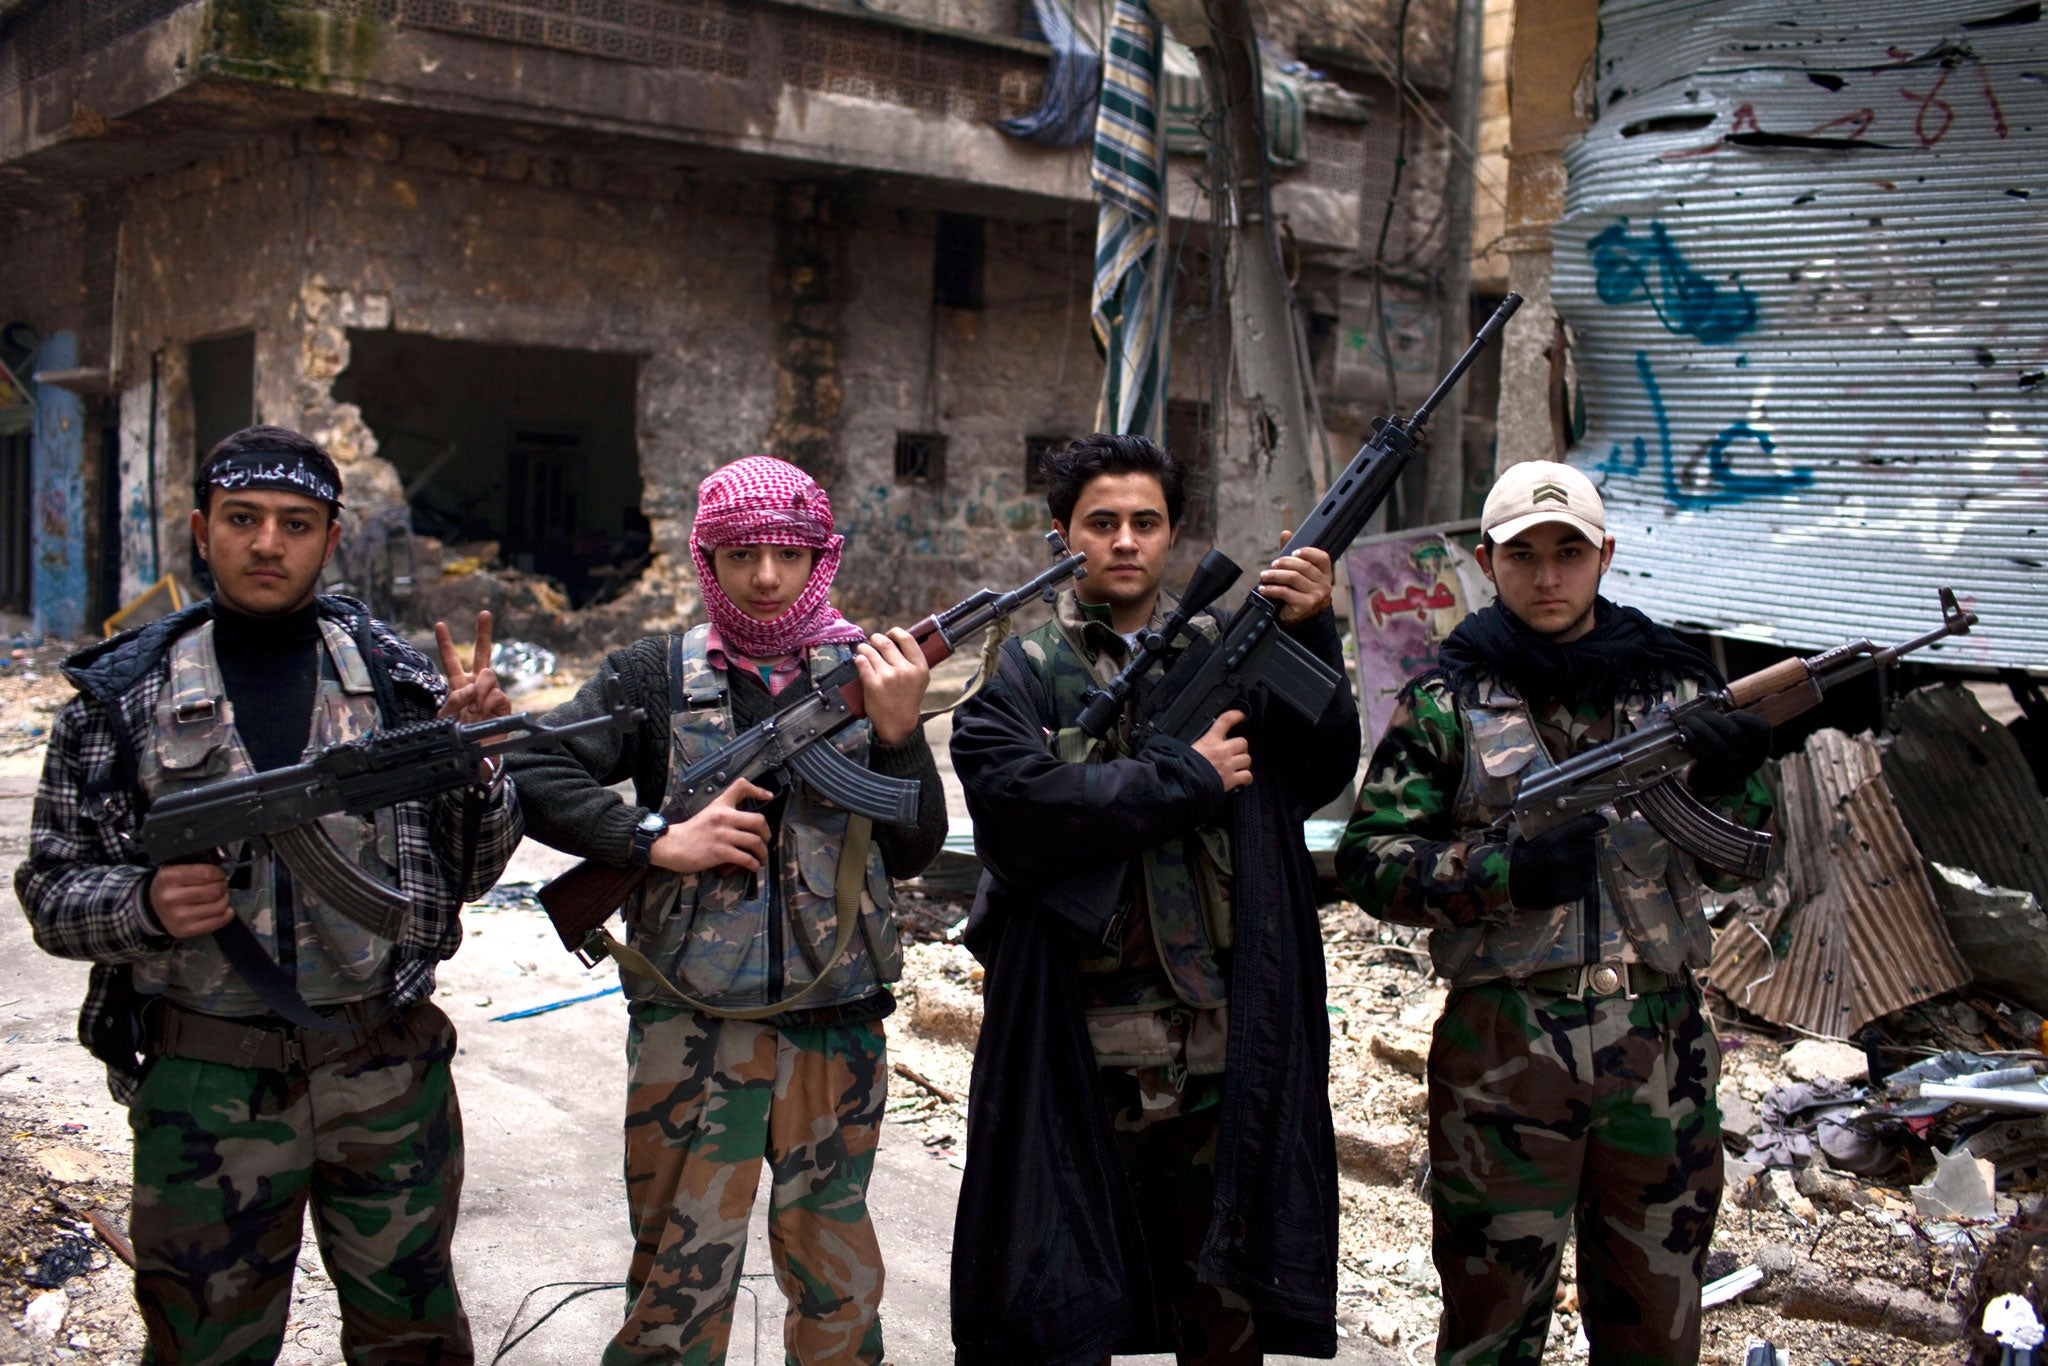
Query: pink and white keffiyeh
(764,501)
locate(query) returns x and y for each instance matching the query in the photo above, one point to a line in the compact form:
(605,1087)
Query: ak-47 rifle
(1644,766)
(582,899)
(282,805)
(1252,654)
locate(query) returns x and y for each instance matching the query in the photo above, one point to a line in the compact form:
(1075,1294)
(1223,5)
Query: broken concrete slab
(1814,1059)
(1811,1292)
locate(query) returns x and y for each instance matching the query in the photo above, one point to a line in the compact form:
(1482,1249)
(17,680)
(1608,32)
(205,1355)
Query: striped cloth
(1066,114)
(1133,290)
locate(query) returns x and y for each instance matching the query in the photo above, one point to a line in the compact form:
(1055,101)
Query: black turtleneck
(271,666)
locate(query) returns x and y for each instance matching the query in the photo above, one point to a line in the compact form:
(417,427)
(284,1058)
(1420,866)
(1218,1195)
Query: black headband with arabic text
(285,471)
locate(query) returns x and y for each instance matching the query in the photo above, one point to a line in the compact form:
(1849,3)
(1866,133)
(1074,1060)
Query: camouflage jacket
(82,885)
(1427,843)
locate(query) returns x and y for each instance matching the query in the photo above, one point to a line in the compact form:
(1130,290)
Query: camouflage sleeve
(82,895)
(1401,855)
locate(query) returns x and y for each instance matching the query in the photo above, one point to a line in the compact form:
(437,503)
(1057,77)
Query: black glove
(1557,866)
(1726,747)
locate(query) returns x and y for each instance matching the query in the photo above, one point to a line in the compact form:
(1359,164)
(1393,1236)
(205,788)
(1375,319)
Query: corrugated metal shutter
(1805,261)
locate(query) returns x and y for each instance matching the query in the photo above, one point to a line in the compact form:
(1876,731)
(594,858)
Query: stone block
(1408,1052)
(1378,1154)
(941,1010)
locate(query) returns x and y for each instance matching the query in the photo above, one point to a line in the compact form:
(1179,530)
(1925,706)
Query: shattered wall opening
(520,456)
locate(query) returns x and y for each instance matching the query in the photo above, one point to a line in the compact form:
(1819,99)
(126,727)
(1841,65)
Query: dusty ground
(63,1154)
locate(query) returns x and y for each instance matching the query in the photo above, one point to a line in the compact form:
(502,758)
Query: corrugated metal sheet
(1802,258)
(1966,792)
(1846,929)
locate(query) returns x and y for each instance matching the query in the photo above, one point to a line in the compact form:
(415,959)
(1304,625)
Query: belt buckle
(295,1049)
(1606,979)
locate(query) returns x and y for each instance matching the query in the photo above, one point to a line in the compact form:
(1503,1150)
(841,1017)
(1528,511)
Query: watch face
(653,823)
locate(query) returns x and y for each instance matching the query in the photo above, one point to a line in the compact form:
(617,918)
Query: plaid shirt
(82,885)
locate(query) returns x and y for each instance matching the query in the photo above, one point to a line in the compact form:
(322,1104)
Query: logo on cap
(1550,493)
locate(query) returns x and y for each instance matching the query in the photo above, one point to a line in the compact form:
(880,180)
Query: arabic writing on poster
(1407,594)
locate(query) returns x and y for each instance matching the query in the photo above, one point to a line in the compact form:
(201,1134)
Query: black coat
(1049,1264)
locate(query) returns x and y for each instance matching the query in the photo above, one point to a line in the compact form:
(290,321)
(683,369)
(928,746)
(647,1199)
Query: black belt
(1602,979)
(179,1032)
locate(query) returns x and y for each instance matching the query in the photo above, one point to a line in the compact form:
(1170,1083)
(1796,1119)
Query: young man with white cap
(1572,1077)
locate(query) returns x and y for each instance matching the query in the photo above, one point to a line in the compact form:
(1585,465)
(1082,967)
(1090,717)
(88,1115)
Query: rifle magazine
(1708,837)
(337,880)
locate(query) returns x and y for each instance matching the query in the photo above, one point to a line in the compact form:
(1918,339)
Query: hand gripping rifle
(1643,766)
(406,763)
(1252,654)
(582,899)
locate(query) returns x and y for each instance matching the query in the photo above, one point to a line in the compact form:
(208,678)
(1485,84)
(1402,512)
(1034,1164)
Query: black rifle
(1644,766)
(282,805)
(1252,654)
(582,899)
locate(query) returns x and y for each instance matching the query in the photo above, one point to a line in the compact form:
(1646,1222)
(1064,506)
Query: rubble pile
(64,1293)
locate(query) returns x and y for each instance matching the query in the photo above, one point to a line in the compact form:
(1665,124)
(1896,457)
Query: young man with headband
(1573,1073)
(755,1043)
(273,1051)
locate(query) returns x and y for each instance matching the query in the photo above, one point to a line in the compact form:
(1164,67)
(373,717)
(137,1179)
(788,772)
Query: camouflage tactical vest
(1184,883)
(736,940)
(192,742)
(1649,910)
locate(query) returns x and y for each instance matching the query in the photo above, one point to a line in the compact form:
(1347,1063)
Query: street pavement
(543,1209)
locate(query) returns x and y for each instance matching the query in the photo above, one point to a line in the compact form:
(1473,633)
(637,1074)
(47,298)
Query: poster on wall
(1408,590)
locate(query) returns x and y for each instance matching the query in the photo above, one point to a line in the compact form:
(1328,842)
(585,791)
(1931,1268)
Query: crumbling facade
(531,272)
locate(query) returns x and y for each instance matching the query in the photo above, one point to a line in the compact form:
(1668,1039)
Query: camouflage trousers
(226,1160)
(1166,1143)
(1545,1110)
(707,1101)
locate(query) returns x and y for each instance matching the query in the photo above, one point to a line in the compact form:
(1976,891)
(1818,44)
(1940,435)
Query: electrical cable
(506,1342)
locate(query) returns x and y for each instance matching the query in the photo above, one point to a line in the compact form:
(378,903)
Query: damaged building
(532,268)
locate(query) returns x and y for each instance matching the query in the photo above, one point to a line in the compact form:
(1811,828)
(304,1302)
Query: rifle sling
(848,880)
(268,980)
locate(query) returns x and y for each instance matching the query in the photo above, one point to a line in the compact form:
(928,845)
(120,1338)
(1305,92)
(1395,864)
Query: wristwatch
(651,828)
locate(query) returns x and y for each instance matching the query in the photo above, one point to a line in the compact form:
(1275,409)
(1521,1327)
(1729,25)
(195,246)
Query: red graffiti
(1415,598)
(1991,98)
(1931,100)
(1744,120)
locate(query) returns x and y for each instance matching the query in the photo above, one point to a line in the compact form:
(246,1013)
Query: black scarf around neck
(1624,655)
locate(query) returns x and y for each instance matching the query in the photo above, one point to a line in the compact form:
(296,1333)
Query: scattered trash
(521,667)
(2028,1095)
(1730,1285)
(69,1256)
(509,896)
(1962,1188)
(554,1005)
(2012,1321)
(1758,1352)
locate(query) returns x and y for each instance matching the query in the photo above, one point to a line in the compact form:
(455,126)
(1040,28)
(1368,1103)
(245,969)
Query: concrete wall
(302,241)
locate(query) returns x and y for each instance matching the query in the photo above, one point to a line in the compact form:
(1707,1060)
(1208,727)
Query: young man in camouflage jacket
(273,1051)
(749,1041)
(1573,1073)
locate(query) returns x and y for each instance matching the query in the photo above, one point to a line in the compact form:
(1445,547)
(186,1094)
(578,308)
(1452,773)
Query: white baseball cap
(1539,491)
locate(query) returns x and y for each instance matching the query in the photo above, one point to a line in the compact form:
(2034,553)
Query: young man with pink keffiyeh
(739,917)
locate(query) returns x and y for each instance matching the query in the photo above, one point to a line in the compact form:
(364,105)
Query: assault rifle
(1252,654)
(283,805)
(1643,766)
(582,899)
